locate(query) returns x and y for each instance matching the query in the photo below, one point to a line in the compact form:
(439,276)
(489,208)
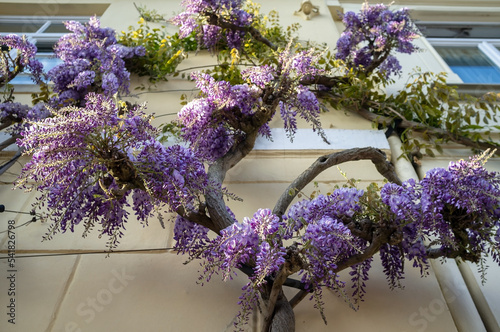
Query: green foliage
(426,113)
(271,29)
(170,132)
(163,52)
(44,95)
(149,15)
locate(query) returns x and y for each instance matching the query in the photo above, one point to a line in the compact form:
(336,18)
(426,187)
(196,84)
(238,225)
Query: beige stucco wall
(154,291)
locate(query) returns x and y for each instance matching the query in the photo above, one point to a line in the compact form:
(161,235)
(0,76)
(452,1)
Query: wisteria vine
(94,156)
(371,36)
(92,62)
(87,160)
(425,212)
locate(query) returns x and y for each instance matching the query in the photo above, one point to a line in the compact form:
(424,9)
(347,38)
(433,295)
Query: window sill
(477,89)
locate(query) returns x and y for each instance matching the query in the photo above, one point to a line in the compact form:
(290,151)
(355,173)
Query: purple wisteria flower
(18,114)
(24,59)
(88,160)
(455,208)
(371,35)
(212,124)
(256,240)
(198,16)
(92,62)
(341,204)
(210,137)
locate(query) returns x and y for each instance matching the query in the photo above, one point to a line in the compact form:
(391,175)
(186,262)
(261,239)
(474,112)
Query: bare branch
(213,19)
(322,163)
(199,217)
(6,122)
(293,264)
(9,141)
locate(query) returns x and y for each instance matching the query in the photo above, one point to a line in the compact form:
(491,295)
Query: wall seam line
(62,297)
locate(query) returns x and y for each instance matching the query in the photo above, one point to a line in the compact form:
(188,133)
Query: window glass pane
(470,64)
(462,30)
(45,46)
(48,61)
(56,28)
(20,28)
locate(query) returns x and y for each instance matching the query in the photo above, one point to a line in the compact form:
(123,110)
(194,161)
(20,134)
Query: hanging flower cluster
(326,240)
(257,240)
(24,59)
(199,15)
(17,113)
(213,123)
(458,209)
(372,34)
(87,161)
(92,62)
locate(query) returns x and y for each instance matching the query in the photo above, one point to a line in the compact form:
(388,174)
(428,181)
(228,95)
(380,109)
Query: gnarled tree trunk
(283,319)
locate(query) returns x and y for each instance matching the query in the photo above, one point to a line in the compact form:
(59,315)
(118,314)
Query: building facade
(64,285)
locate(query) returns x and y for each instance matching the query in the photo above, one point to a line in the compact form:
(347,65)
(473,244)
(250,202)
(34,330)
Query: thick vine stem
(217,171)
(9,141)
(213,19)
(420,127)
(6,122)
(377,156)
(283,319)
(216,175)
(292,265)
(199,217)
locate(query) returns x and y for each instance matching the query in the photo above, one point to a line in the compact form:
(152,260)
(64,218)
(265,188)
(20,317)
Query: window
(44,33)
(471,50)
(42,23)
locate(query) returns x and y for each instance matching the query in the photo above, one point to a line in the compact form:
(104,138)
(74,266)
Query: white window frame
(487,46)
(39,36)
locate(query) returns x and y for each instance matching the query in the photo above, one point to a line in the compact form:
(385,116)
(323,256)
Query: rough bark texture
(322,163)
(8,142)
(284,318)
(422,128)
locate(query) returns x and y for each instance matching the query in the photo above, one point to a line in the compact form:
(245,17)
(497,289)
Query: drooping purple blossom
(24,59)
(255,240)
(456,208)
(359,277)
(18,113)
(371,35)
(214,123)
(92,62)
(342,203)
(88,160)
(202,128)
(260,76)
(198,16)
(392,259)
